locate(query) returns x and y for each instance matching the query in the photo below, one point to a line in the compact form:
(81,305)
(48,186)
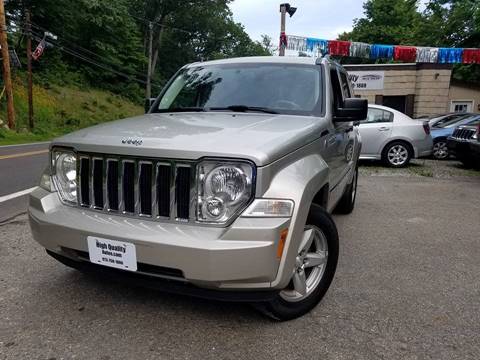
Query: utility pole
(7,80)
(284,9)
(148,91)
(29,70)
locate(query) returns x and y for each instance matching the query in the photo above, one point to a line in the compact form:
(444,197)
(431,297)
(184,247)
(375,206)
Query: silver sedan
(393,137)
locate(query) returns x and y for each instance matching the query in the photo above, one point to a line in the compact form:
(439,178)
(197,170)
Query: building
(414,89)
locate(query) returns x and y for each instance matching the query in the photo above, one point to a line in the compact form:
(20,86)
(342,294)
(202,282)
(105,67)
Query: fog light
(215,207)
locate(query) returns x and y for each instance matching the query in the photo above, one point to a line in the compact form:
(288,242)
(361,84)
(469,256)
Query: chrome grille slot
(182,192)
(145,188)
(463,134)
(97,183)
(112,184)
(163,182)
(137,187)
(84,181)
(128,189)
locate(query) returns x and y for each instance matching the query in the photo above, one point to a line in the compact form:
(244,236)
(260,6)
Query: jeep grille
(463,134)
(152,188)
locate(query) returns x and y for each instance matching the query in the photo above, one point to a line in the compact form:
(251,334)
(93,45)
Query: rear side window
(378,116)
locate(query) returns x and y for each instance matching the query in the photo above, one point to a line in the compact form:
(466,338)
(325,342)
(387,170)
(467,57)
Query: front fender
(299,181)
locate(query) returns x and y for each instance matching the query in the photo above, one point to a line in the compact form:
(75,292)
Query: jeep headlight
(224,189)
(64,165)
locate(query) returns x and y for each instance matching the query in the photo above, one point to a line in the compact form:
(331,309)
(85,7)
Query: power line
(147,21)
(93,62)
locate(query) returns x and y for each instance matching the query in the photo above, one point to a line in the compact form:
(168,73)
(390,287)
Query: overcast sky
(314,18)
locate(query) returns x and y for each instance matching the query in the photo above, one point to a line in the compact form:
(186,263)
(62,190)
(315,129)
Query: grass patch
(59,110)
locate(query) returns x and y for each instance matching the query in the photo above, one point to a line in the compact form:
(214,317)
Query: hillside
(61,109)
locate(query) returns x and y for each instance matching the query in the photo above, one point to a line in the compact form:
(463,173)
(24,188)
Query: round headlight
(65,176)
(228,183)
(67,167)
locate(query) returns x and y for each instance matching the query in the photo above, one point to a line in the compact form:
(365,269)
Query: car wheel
(315,266)
(440,150)
(347,202)
(397,154)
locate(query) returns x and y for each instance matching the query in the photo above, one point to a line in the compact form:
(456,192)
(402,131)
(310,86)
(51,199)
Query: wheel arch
(303,181)
(404,140)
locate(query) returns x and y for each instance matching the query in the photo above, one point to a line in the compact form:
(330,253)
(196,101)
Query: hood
(262,138)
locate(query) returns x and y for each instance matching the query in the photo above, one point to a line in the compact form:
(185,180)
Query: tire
(397,154)
(440,149)
(286,306)
(347,202)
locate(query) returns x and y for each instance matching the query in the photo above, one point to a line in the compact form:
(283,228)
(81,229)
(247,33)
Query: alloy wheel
(397,155)
(440,150)
(310,265)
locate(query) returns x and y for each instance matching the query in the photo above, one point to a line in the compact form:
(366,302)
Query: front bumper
(458,148)
(240,257)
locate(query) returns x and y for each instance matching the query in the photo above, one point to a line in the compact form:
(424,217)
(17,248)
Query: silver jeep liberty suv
(223,190)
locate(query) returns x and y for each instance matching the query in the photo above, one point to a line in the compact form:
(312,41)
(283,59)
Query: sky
(314,18)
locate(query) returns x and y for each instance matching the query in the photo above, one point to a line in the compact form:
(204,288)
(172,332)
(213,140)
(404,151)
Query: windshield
(453,122)
(276,88)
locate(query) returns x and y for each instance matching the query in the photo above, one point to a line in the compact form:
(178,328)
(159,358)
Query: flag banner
(408,54)
(39,50)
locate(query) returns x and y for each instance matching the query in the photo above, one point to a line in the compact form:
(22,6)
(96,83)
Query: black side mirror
(354,109)
(148,104)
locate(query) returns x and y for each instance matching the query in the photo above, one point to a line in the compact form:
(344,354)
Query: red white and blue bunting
(419,54)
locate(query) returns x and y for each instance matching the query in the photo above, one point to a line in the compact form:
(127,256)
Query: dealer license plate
(113,253)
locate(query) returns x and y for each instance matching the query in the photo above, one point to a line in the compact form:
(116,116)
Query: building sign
(367,80)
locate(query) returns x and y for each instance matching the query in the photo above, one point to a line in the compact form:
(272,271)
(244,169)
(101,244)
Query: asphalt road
(407,287)
(20,169)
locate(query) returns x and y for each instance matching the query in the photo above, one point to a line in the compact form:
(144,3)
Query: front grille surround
(463,133)
(132,198)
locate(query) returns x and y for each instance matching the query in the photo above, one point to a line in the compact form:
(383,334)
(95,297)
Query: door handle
(383,128)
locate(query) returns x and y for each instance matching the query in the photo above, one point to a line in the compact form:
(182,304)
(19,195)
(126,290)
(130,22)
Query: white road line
(15,195)
(28,144)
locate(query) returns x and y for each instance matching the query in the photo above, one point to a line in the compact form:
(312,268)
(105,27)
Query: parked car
(465,144)
(441,132)
(224,189)
(393,137)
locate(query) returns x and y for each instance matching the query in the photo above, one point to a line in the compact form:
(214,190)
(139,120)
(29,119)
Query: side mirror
(353,109)
(148,104)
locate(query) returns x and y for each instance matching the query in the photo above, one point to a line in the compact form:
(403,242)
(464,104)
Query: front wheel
(440,150)
(315,265)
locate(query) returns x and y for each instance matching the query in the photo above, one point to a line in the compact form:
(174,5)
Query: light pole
(284,9)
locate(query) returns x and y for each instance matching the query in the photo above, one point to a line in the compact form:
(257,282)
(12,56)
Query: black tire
(390,146)
(281,309)
(347,202)
(440,149)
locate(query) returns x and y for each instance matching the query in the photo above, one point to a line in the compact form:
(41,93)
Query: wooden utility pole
(283,11)
(7,80)
(29,70)
(148,91)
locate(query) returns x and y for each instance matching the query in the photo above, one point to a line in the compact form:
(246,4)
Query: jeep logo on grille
(132,141)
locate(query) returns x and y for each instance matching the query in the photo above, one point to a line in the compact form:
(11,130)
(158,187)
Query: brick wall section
(431,91)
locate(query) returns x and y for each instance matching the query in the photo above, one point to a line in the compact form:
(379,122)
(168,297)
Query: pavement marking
(17,194)
(28,144)
(29,153)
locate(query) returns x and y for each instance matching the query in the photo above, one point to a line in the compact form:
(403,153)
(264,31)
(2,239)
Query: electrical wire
(82,57)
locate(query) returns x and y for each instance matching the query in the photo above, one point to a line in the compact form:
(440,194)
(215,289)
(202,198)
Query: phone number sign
(367,80)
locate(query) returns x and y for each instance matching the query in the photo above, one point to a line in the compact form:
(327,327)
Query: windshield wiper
(180,109)
(244,108)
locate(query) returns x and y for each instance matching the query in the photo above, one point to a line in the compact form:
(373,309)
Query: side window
(345,87)
(378,116)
